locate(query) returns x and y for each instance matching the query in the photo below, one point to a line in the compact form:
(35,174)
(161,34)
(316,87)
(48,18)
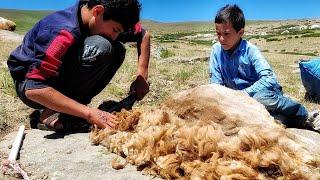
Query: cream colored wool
(209,132)
(6,24)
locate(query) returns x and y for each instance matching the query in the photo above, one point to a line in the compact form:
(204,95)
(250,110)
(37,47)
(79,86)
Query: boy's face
(228,36)
(107,28)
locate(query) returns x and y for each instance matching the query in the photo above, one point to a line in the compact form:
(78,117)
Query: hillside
(179,56)
(23,18)
(179,61)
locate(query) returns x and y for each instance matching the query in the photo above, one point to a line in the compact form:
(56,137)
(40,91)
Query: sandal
(51,123)
(58,122)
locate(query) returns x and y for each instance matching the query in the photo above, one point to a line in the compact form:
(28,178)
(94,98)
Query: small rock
(68,151)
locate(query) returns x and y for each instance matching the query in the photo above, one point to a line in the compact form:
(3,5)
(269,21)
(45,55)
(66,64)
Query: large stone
(6,24)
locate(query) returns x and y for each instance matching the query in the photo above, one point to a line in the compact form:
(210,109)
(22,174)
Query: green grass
(285,27)
(277,36)
(299,53)
(272,39)
(202,42)
(116,90)
(6,83)
(165,53)
(166,77)
(24,19)
(311,35)
(183,75)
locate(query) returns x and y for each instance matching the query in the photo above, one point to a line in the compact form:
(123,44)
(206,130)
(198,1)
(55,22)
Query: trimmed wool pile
(209,132)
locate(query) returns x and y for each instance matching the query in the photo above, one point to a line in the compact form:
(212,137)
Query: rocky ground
(10,36)
(48,155)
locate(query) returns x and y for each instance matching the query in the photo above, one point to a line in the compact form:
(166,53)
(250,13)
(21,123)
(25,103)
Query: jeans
(277,104)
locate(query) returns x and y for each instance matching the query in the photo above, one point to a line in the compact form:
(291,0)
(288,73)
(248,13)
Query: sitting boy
(239,65)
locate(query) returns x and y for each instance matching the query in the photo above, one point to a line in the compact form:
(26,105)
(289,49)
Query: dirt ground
(48,155)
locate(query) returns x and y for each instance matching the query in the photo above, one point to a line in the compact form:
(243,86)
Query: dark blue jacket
(55,41)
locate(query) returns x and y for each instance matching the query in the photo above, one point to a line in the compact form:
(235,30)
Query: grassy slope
(24,19)
(166,76)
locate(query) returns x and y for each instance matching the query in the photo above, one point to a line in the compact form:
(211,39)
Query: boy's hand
(140,87)
(102,119)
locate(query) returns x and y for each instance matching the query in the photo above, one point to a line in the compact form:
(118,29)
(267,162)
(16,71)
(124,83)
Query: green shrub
(300,53)
(183,75)
(165,53)
(284,26)
(202,42)
(175,36)
(273,39)
(311,35)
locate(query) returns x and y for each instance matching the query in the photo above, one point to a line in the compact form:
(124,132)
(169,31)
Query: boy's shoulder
(66,19)
(216,47)
(248,46)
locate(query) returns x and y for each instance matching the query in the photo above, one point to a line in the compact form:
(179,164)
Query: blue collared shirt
(244,69)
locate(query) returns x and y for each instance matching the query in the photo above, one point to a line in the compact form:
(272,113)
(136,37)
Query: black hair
(231,14)
(126,12)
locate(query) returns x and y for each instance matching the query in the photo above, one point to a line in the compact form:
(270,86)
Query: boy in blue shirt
(239,65)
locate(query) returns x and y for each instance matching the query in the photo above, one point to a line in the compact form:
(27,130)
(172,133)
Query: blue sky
(194,10)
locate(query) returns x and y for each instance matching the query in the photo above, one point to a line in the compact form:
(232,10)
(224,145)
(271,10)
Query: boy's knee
(96,46)
(268,99)
(22,94)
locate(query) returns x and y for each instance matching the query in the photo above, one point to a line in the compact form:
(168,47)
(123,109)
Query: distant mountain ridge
(25,19)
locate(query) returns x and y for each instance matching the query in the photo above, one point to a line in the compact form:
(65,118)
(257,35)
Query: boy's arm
(214,70)
(267,78)
(143,48)
(53,99)
(140,86)
(142,37)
